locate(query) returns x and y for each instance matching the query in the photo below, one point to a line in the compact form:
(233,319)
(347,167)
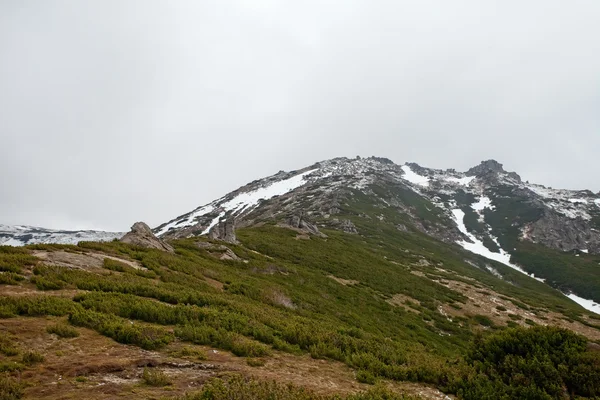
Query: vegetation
(32,357)
(155,377)
(240,388)
(535,363)
(194,298)
(63,331)
(10,388)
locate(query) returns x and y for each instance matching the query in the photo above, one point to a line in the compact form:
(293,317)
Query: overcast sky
(118,111)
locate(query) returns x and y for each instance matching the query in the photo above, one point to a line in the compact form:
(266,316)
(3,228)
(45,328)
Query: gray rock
(141,235)
(225,231)
(300,222)
(562,233)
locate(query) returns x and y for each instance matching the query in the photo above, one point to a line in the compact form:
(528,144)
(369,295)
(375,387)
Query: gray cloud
(115,111)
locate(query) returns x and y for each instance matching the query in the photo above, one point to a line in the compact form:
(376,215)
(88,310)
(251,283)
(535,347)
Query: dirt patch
(345,282)
(214,283)
(499,308)
(92,366)
(402,300)
(87,261)
(30,290)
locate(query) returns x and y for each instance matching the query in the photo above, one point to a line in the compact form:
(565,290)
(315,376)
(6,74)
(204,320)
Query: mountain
(21,235)
(353,279)
(550,234)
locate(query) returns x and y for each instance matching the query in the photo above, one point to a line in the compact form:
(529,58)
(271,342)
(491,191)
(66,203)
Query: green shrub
(7,347)
(11,366)
(43,283)
(255,362)
(364,376)
(32,357)
(154,377)
(531,363)
(190,352)
(63,331)
(10,388)
(500,308)
(121,330)
(10,278)
(483,320)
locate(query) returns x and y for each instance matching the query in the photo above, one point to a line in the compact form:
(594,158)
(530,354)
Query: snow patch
(478,247)
(483,203)
(466,181)
(413,177)
(578,201)
(244,201)
(587,304)
(21,235)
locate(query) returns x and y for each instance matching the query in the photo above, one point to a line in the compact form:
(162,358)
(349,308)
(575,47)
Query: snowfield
(20,235)
(413,177)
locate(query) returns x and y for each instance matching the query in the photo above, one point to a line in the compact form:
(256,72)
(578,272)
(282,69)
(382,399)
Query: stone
(300,222)
(224,231)
(141,235)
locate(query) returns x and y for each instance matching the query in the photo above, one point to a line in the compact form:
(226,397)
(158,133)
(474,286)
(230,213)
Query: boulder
(141,235)
(224,231)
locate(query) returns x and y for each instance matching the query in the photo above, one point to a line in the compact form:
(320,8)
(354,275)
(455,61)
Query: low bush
(122,330)
(155,377)
(10,388)
(32,357)
(63,331)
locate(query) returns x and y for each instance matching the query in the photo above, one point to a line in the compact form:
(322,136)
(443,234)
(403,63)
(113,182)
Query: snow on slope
(587,304)
(413,177)
(478,247)
(503,257)
(466,181)
(244,201)
(20,235)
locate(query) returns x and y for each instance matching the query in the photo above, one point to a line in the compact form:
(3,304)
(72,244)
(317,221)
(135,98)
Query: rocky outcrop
(224,231)
(344,225)
(219,251)
(301,223)
(490,169)
(562,233)
(141,235)
(485,167)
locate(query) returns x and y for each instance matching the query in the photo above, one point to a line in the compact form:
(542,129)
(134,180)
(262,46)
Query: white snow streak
(242,202)
(483,203)
(413,177)
(575,201)
(587,304)
(466,181)
(477,246)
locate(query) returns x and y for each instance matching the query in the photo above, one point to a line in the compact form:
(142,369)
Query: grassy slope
(283,297)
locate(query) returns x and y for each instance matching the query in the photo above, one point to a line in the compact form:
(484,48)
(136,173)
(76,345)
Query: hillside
(356,278)
(550,234)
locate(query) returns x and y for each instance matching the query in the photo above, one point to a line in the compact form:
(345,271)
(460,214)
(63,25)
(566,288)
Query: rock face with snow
(141,235)
(21,235)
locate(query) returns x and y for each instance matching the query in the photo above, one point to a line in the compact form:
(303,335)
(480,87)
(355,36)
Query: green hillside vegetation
(283,298)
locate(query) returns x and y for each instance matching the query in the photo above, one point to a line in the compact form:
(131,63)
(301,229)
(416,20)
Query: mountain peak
(486,167)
